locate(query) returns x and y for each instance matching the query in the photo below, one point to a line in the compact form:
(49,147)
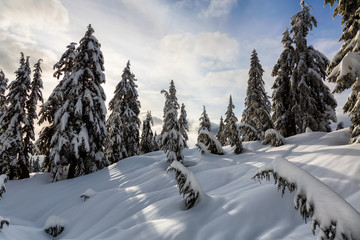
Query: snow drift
(136,199)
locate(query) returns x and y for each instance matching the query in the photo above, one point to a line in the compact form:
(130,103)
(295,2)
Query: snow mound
(335,217)
(88,194)
(54,225)
(273,136)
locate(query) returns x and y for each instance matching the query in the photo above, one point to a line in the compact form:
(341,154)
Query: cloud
(217,8)
(22,16)
(327,46)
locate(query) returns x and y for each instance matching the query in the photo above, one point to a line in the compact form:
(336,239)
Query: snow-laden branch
(273,136)
(213,145)
(335,217)
(54,225)
(3,180)
(187,183)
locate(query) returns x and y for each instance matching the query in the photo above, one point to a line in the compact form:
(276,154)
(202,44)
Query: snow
(273,136)
(136,199)
(325,207)
(88,194)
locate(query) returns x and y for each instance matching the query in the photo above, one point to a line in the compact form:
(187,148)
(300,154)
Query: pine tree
(31,105)
(147,143)
(282,95)
(115,149)
(124,104)
(257,104)
(343,69)
(172,141)
(313,104)
(231,132)
(172,95)
(3,86)
(184,125)
(220,133)
(205,124)
(80,122)
(56,100)
(14,157)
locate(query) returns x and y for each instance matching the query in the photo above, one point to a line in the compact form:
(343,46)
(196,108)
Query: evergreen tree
(31,105)
(36,165)
(172,141)
(343,69)
(147,143)
(231,132)
(220,133)
(80,134)
(124,104)
(56,100)
(14,157)
(257,104)
(205,124)
(3,86)
(172,95)
(313,103)
(282,95)
(184,125)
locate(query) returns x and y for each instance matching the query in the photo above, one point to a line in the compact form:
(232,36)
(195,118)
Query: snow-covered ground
(136,199)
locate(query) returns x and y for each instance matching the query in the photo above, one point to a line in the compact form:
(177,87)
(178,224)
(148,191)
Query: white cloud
(217,8)
(21,17)
(327,46)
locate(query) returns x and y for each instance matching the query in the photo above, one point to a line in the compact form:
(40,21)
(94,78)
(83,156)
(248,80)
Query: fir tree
(205,124)
(31,105)
(147,143)
(172,95)
(282,95)
(231,132)
(47,112)
(3,86)
(343,69)
(257,104)
(124,104)
(313,103)
(220,133)
(14,157)
(184,125)
(172,141)
(78,141)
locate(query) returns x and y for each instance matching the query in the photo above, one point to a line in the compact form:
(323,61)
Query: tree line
(78,138)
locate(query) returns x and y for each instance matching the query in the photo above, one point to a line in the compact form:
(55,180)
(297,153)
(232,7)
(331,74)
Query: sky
(203,45)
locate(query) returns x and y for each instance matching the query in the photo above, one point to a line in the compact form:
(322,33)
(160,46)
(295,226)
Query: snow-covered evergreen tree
(283,117)
(172,95)
(257,104)
(205,124)
(14,157)
(3,87)
(230,130)
(31,105)
(172,141)
(147,143)
(344,69)
(313,104)
(56,99)
(124,104)
(220,133)
(78,141)
(184,125)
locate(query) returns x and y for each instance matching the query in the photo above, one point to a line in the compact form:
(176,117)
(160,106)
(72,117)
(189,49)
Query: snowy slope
(136,199)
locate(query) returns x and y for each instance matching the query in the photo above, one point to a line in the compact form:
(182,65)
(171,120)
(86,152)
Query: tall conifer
(257,104)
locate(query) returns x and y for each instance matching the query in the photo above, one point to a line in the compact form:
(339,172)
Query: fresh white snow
(137,199)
